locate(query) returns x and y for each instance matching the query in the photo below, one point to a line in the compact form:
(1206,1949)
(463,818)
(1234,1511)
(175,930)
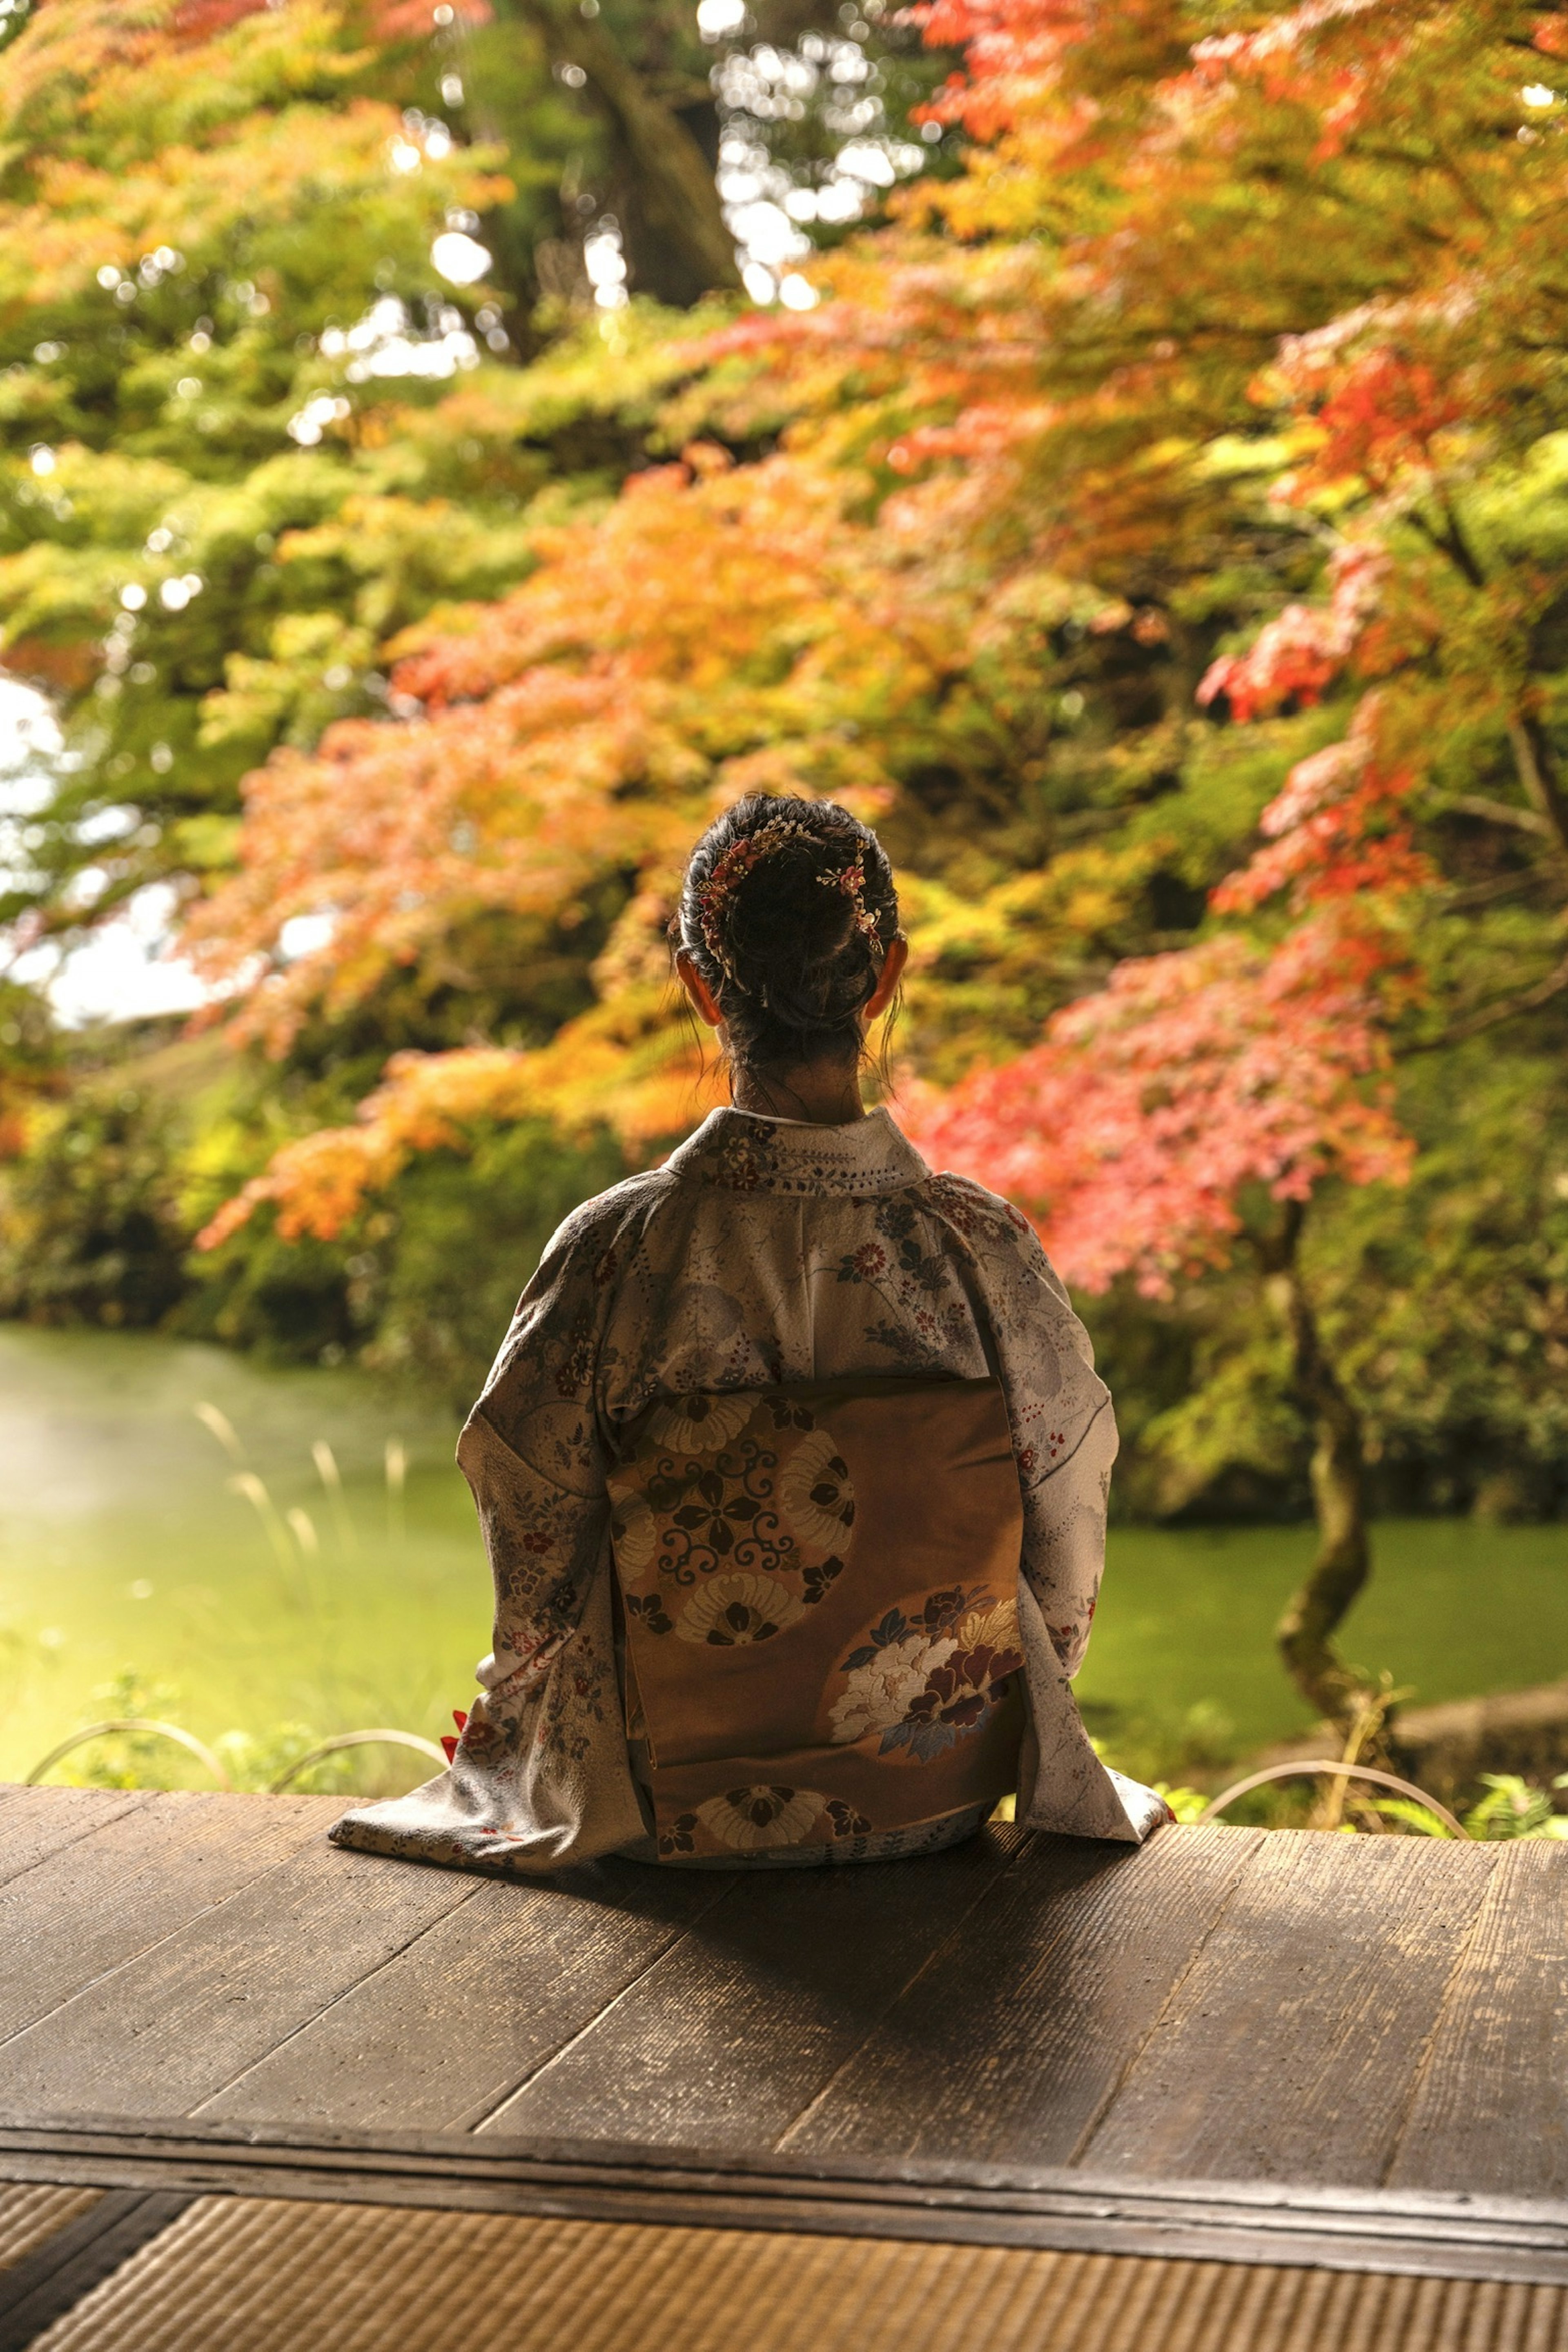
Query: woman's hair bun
(788,911)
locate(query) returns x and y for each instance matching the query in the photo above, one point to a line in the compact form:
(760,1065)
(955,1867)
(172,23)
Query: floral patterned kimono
(764,1256)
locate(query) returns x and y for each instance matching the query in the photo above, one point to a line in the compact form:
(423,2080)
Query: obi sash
(819,1593)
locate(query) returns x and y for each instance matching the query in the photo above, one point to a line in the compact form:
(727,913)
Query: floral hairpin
(851,880)
(731,869)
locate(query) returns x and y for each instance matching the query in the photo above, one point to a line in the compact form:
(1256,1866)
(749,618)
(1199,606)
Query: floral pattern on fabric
(762,1254)
(735,1610)
(926,1677)
(755,1820)
(733,1516)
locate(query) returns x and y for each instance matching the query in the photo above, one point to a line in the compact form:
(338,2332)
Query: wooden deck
(1287,2051)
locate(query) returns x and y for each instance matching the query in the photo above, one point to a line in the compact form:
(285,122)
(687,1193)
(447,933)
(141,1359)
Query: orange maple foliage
(722,630)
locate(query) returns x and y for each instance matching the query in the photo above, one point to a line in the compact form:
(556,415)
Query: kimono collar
(741,1152)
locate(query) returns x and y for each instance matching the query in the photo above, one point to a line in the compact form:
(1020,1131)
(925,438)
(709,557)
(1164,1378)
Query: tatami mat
(29,2214)
(266,2275)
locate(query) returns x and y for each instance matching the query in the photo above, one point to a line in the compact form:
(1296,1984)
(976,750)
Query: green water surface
(125,1551)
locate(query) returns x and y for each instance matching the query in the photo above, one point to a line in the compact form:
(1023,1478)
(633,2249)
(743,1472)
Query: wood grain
(37,1823)
(169,2029)
(1490,2110)
(1289,2050)
(724,2042)
(457,2021)
(95,1903)
(1009,2044)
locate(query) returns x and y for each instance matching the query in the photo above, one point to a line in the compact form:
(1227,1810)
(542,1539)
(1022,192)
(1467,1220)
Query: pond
(144,1570)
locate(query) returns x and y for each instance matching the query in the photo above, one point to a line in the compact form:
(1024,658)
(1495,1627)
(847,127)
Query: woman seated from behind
(793,1466)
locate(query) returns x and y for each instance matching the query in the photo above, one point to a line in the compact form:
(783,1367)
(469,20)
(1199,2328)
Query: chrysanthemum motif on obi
(814,1489)
(698,1425)
(929,1674)
(635,1532)
(736,1609)
(745,1493)
(747,1818)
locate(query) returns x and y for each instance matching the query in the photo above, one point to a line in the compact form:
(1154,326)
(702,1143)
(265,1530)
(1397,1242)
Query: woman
(793,1465)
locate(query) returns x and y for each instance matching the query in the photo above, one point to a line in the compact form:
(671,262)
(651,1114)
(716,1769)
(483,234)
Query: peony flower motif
(883,1691)
(958,1695)
(700,1424)
(633,1532)
(750,1819)
(734,1610)
(815,1494)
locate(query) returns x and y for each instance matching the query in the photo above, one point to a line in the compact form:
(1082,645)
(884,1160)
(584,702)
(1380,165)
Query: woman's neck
(825,1094)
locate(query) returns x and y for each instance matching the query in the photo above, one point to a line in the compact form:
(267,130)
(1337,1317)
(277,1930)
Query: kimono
(764,1253)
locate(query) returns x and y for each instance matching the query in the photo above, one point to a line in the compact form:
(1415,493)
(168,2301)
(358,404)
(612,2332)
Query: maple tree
(1421,429)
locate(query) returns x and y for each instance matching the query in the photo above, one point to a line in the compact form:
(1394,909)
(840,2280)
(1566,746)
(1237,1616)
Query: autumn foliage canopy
(1159,527)
(1245,328)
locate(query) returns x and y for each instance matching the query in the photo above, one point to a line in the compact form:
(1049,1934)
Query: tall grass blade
(396,1484)
(330,1477)
(255,1493)
(304,1530)
(303,1527)
(217,1423)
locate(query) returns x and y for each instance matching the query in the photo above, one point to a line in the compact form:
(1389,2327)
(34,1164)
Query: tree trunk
(1343,1561)
(687,251)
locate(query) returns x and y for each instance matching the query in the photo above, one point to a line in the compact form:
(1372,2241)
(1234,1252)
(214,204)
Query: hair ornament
(851,880)
(730,870)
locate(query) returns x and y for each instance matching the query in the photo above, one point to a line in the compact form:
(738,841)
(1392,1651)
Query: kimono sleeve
(539,1777)
(1064,1442)
(1064,1427)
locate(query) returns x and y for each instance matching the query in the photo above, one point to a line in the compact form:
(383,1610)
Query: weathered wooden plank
(459,2019)
(92,1907)
(1291,2047)
(1490,2111)
(1010,2043)
(724,2042)
(945,2199)
(171,2028)
(38,1822)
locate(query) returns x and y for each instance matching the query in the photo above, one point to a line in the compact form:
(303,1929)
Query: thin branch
(1493,892)
(1537,767)
(1506,1009)
(1451,542)
(1500,813)
(1477,203)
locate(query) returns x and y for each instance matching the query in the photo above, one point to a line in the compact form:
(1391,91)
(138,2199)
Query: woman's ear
(893,964)
(704,1003)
